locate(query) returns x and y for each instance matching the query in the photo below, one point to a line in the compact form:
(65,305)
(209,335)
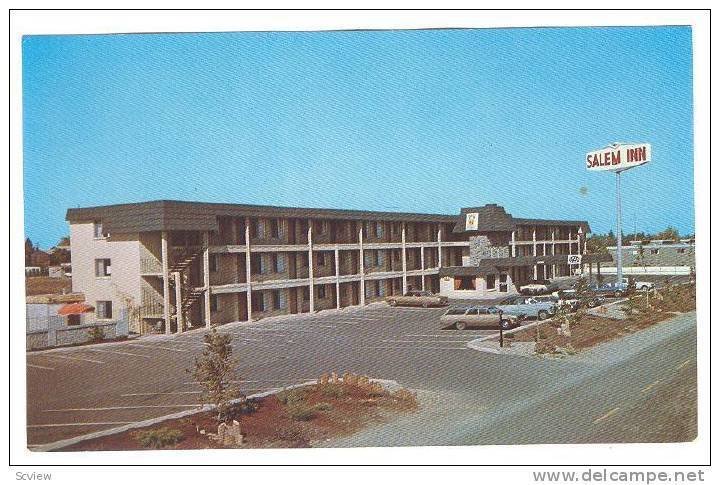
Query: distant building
(39,258)
(656,256)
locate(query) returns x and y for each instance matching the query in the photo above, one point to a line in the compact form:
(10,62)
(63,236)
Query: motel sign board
(618,157)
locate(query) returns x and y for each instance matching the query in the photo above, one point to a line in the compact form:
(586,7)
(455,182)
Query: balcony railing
(150,266)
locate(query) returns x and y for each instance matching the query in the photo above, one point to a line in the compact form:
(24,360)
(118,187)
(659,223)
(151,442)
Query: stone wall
(482,248)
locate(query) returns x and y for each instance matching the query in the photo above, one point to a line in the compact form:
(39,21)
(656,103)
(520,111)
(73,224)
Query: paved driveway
(75,391)
(79,390)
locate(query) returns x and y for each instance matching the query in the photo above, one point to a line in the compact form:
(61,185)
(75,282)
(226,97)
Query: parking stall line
(171,349)
(117,408)
(67,357)
(425,341)
(606,415)
(34,366)
(104,351)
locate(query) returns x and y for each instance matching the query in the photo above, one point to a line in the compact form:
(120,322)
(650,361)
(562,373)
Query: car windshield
(456,311)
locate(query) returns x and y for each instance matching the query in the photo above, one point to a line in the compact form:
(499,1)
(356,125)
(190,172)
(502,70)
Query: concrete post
(178,302)
(248,269)
(570,241)
(404,260)
(166,280)
(579,249)
(552,252)
(512,244)
(206,276)
(422,267)
(362,266)
(311,270)
(535,267)
(337,278)
(439,240)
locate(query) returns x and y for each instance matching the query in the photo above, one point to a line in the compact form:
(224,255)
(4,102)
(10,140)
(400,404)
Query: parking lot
(78,390)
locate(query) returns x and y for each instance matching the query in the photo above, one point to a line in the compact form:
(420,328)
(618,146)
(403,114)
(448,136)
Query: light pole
(618,259)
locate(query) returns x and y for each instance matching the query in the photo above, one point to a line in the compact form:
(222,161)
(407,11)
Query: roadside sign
(574,259)
(618,157)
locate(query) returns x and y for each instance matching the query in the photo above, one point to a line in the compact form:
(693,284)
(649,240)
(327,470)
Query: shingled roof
(492,217)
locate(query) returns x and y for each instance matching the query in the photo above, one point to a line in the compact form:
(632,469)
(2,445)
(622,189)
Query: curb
(473,344)
(386,383)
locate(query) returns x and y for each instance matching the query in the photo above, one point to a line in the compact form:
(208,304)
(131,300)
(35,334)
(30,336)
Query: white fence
(45,331)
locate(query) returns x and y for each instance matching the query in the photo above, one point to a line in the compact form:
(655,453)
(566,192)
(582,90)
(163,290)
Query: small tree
(213,370)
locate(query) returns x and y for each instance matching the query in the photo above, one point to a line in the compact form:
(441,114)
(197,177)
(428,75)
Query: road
(79,390)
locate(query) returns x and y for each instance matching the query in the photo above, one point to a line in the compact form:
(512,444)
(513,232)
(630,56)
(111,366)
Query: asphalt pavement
(75,391)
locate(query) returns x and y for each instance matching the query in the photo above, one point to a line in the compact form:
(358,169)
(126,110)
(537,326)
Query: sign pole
(618,259)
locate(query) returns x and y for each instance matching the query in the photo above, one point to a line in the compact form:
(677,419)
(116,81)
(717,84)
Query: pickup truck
(538,287)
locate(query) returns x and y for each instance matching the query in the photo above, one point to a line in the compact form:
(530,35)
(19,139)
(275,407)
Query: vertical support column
(552,252)
(513,251)
(178,302)
(439,241)
(337,278)
(570,243)
(535,267)
(579,249)
(404,260)
(248,269)
(422,267)
(618,259)
(362,265)
(206,276)
(311,270)
(166,280)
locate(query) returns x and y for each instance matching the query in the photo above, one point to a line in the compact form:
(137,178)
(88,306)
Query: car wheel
(542,315)
(424,305)
(618,294)
(460,325)
(506,324)
(392,303)
(644,288)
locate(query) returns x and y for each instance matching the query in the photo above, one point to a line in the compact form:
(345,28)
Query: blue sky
(420,121)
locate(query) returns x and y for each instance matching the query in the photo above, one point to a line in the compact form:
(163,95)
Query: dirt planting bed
(567,334)
(295,418)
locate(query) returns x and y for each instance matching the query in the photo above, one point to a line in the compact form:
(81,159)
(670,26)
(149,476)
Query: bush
(292,396)
(96,334)
(158,438)
(544,347)
(333,390)
(323,406)
(301,412)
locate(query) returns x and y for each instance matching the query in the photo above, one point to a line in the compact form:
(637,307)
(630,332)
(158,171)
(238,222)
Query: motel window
(490,282)
(277,300)
(379,229)
(306,293)
(258,302)
(321,292)
(103,309)
(73,320)
(274,228)
(260,229)
(98,232)
(256,264)
(214,262)
(322,227)
(503,283)
(278,261)
(464,282)
(213,303)
(380,259)
(321,259)
(102,268)
(381,288)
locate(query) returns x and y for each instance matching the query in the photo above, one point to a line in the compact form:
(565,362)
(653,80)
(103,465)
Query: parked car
(462,317)
(417,298)
(571,299)
(527,306)
(538,287)
(610,289)
(639,285)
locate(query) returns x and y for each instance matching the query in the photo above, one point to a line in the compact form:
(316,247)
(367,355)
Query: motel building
(173,265)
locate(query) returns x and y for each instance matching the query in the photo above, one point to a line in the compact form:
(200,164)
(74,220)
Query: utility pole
(618,259)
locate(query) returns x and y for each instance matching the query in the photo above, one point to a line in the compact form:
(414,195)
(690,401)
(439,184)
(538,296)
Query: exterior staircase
(190,294)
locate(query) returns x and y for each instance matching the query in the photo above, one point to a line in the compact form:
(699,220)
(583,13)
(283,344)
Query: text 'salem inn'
(228,262)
